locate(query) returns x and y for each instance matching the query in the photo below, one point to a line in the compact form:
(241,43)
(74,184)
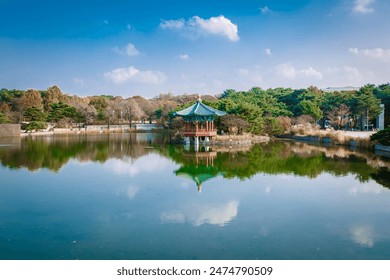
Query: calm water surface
(134,196)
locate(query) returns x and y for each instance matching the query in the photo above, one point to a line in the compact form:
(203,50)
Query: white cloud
(365,189)
(285,70)
(172,217)
(243,72)
(363,6)
(218,84)
(265,10)
(122,75)
(132,191)
(218,215)
(129,50)
(354,51)
(347,75)
(146,164)
(288,71)
(268,52)
(196,25)
(172,24)
(218,25)
(184,57)
(311,72)
(373,53)
(363,235)
(79,81)
(198,215)
(252,76)
(352,72)
(129,27)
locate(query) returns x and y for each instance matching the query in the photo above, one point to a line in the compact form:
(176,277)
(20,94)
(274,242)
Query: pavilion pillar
(196,142)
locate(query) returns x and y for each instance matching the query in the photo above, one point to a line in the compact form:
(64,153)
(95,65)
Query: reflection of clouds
(146,164)
(363,189)
(81,162)
(363,235)
(203,214)
(217,215)
(185,185)
(132,191)
(129,215)
(172,217)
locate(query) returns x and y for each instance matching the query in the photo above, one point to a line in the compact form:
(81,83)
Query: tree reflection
(55,151)
(278,157)
(298,159)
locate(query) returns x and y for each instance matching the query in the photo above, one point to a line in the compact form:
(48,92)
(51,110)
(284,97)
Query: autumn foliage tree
(340,116)
(232,124)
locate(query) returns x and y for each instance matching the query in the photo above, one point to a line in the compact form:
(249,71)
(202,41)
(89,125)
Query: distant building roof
(200,109)
(332,89)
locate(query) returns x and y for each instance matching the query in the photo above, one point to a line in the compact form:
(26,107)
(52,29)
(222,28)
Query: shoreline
(344,138)
(75,131)
(359,140)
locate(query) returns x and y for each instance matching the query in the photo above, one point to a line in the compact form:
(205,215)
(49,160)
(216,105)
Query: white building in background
(380,120)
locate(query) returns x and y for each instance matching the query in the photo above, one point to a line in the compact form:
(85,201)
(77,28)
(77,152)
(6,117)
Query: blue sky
(145,47)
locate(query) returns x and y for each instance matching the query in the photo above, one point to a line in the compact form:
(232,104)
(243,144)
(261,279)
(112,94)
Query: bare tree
(83,106)
(339,116)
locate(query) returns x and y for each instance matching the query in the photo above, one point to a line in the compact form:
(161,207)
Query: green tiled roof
(200,109)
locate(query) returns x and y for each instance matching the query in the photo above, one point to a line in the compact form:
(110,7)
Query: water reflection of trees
(293,158)
(298,159)
(54,152)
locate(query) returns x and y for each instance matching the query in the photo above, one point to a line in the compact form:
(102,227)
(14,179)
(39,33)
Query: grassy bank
(359,139)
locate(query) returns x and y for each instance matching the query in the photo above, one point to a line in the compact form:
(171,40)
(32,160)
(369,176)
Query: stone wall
(9,130)
(383,148)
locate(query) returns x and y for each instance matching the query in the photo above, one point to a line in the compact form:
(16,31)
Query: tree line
(257,110)
(36,108)
(273,111)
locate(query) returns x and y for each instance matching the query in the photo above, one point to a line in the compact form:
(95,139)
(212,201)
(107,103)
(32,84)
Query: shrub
(284,123)
(34,125)
(382,136)
(4,118)
(232,124)
(272,126)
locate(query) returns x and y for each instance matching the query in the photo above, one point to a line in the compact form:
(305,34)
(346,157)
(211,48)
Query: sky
(149,47)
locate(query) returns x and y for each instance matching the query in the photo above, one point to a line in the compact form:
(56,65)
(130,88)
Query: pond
(135,196)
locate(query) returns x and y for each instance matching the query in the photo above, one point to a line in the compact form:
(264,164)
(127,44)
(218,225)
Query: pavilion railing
(199,132)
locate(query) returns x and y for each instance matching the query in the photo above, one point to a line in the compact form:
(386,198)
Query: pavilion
(199,122)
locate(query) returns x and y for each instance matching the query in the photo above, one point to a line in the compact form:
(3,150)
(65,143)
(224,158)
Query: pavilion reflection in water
(200,167)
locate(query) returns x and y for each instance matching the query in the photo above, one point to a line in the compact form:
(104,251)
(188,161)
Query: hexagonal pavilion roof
(199,110)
